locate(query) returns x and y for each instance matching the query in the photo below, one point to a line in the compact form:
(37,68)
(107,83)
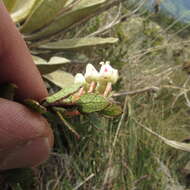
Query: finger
(26,138)
(16,63)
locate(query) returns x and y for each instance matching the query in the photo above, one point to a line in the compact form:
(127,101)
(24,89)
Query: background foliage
(151,51)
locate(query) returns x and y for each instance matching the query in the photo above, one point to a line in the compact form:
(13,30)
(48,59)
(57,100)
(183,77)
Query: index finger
(16,64)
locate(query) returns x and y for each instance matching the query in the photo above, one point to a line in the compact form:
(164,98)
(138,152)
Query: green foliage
(92,102)
(126,156)
(60,78)
(9,4)
(79,12)
(52,65)
(112,110)
(76,43)
(21,9)
(43,22)
(62,94)
(43,14)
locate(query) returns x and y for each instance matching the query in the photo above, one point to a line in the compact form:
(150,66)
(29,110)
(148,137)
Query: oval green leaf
(63,93)
(112,110)
(92,103)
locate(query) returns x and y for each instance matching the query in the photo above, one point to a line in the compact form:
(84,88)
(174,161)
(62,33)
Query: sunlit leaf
(38,60)
(69,2)
(42,15)
(63,93)
(92,102)
(9,4)
(81,10)
(22,9)
(60,78)
(78,43)
(53,64)
(58,60)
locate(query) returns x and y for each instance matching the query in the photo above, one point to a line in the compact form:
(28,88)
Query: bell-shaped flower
(91,74)
(79,79)
(108,73)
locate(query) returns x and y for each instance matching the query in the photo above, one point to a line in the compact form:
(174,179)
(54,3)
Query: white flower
(79,79)
(91,73)
(108,73)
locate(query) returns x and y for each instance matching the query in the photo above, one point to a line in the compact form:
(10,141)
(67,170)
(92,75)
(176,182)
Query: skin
(25,137)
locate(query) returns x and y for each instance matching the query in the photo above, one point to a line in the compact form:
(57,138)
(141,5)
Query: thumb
(26,138)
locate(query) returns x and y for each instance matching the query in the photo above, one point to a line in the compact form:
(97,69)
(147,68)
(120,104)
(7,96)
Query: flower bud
(91,73)
(79,79)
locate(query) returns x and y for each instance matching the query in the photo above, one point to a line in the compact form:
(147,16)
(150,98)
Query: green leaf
(78,43)
(60,78)
(112,110)
(53,64)
(9,4)
(42,15)
(22,9)
(82,10)
(92,103)
(35,106)
(63,93)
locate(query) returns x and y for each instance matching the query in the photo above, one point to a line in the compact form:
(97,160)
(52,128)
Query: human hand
(25,136)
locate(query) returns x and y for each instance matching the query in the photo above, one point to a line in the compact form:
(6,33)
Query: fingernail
(32,153)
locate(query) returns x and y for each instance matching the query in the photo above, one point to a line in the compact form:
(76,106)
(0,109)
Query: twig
(68,125)
(118,19)
(126,93)
(183,91)
(120,122)
(115,21)
(83,182)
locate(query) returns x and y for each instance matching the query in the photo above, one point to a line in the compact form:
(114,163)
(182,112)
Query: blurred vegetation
(118,153)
